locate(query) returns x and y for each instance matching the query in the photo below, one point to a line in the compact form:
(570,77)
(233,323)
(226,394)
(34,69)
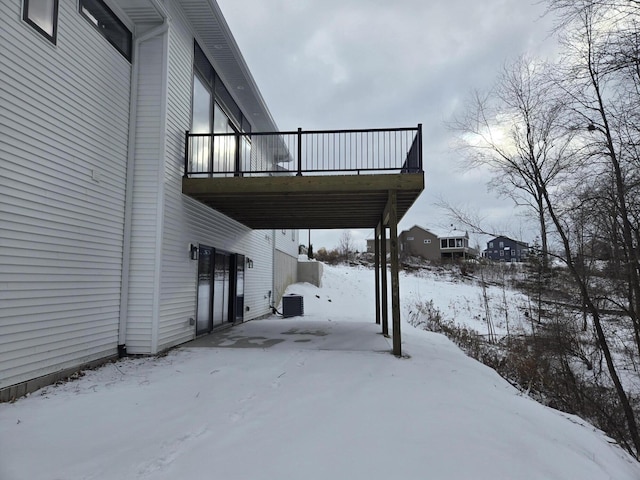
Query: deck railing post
(186,153)
(299,174)
(236,172)
(420,147)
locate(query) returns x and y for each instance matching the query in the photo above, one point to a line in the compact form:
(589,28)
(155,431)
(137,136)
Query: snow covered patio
(307,397)
(298,333)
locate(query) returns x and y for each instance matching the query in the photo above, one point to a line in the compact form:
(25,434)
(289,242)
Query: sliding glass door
(204,322)
(220,289)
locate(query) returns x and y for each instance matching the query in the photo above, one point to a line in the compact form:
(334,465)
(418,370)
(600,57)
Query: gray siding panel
(63,153)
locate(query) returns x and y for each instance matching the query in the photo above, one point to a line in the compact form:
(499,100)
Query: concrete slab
(298,333)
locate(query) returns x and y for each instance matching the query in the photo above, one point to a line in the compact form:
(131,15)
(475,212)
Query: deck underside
(315,202)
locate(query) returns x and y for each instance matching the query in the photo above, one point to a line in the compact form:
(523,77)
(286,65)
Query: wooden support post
(395,268)
(383,279)
(376,249)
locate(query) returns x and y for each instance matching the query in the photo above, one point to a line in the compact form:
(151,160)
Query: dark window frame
(25,16)
(89,5)
(221,98)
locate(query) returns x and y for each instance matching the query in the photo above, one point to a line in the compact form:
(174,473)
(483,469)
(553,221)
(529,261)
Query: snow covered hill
(313,397)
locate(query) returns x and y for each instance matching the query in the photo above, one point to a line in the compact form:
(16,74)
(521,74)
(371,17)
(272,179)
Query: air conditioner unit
(292,305)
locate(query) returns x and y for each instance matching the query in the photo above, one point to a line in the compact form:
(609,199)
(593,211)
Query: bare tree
(567,145)
(602,86)
(517,131)
(345,246)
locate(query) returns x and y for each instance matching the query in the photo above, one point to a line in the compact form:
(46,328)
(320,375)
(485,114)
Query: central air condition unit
(292,305)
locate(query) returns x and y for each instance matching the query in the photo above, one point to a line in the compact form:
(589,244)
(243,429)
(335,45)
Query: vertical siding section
(146,197)
(63,151)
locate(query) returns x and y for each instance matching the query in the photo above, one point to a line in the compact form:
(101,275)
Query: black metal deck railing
(315,152)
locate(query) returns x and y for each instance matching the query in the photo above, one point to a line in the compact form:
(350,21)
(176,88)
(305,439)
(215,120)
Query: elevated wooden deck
(314,180)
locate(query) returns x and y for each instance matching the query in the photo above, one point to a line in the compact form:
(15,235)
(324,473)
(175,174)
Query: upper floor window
(108,24)
(43,16)
(501,244)
(427,241)
(409,239)
(443,243)
(490,244)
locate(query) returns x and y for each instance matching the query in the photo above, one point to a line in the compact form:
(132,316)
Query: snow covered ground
(461,300)
(312,397)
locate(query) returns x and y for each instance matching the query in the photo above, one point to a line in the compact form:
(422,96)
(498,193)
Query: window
(224,147)
(501,244)
(459,242)
(427,241)
(217,112)
(409,239)
(452,243)
(108,24)
(490,244)
(502,253)
(43,16)
(443,243)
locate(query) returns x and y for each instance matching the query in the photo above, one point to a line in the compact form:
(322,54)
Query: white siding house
(100,252)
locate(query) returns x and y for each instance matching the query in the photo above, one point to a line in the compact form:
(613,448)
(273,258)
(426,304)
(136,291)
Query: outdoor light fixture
(249,263)
(193,251)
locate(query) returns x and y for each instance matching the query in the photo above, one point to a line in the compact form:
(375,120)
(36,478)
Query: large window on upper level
(215,111)
(108,24)
(43,16)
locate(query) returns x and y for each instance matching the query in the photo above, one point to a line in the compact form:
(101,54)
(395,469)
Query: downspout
(128,201)
(274,284)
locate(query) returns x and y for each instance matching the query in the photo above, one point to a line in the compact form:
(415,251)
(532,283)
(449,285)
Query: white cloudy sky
(332,64)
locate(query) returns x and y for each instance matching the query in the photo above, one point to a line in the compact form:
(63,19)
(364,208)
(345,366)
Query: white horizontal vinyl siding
(286,262)
(64,113)
(286,273)
(146,198)
(287,242)
(178,282)
(187,221)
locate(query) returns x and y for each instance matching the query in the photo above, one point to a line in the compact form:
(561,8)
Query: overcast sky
(333,64)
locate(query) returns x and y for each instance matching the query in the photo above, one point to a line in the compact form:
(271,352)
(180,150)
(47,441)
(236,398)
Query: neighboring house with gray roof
(505,249)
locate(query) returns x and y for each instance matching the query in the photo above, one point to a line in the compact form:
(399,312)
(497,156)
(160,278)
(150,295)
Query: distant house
(419,242)
(455,245)
(505,249)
